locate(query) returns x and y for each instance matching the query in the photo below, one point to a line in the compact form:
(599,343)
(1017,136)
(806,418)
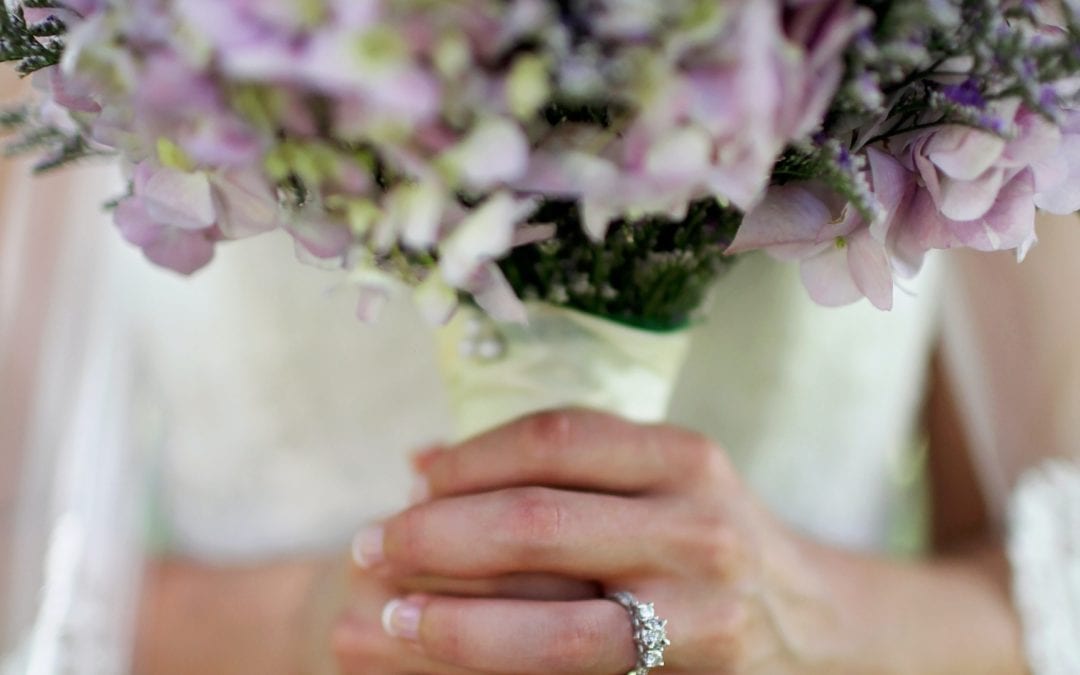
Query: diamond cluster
(650,632)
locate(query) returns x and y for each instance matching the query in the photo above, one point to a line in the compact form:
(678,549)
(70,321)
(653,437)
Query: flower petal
(182,251)
(892,186)
(179,199)
(964,153)
(870,268)
(495,296)
(246,203)
(485,234)
(321,237)
(828,280)
(496,152)
(970,199)
(1061,193)
(419,208)
(789,214)
(135,223)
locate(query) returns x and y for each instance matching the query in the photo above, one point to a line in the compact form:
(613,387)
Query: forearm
(938,617)
(201,619)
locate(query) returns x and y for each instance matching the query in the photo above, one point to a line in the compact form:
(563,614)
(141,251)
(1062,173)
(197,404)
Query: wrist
(806,624)
(939,616)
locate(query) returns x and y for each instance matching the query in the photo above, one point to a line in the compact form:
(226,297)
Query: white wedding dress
(256,417)
(248,415)
(285,423)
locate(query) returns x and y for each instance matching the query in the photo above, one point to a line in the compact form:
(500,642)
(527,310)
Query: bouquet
(605,157)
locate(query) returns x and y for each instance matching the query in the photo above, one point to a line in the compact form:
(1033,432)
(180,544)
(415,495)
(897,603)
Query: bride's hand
(362,645)
(653,510)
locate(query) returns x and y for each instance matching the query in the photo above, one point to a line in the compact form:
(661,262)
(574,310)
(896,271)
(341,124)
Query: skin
(659,511)
(743,592)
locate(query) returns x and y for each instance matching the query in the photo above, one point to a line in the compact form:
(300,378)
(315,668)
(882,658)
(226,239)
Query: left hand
(654,510)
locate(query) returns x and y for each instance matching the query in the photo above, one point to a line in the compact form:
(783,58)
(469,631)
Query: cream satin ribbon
(562,358)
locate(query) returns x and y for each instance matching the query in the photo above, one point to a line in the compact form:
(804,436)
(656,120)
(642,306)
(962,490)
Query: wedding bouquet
(603,156)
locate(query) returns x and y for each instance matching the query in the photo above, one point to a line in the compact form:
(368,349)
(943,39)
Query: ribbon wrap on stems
(560,358)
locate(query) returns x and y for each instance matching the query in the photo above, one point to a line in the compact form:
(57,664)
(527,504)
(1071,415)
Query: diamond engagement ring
(650,632)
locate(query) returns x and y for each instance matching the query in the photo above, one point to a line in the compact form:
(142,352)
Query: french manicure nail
(421,490)
(367,548)
(401,619)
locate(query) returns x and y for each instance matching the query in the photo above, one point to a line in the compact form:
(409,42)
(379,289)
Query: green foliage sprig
(32,46)
(53,146)
(652,273)
(901,73)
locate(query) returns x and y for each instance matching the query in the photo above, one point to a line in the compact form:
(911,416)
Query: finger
(583,535)
(515,637)
(362,647)
(510,586)
(574,449)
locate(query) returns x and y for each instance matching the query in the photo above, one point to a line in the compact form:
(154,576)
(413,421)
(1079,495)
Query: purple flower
(483,235)
(843,258)
(977,189)
(1057,174)
(966,93)
(85,7)
(170,217)
(174,100)
(176,217)
(319,236)
(725,108)
(1009,224)
(274,42)
(823,29)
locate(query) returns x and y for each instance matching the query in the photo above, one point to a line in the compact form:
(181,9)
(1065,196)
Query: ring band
(650,632)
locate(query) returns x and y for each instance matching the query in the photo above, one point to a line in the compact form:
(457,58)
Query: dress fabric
(251,415)
(284,423)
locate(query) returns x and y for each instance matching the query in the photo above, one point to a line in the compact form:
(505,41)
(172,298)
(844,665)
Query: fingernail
(401,618)
(367,548)
(421,490)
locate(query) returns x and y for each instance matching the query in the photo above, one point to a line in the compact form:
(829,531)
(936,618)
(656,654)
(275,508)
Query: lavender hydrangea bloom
(1057,175)
(843,256)
(724,103)
(707,111)
(170,217)
(410,141)
(977,189)
(176,216)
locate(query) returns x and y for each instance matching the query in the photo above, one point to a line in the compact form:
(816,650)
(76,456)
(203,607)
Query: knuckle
(534,518)
(717,548)
(704,458)
(576,644)
(715,463)
(548,429)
